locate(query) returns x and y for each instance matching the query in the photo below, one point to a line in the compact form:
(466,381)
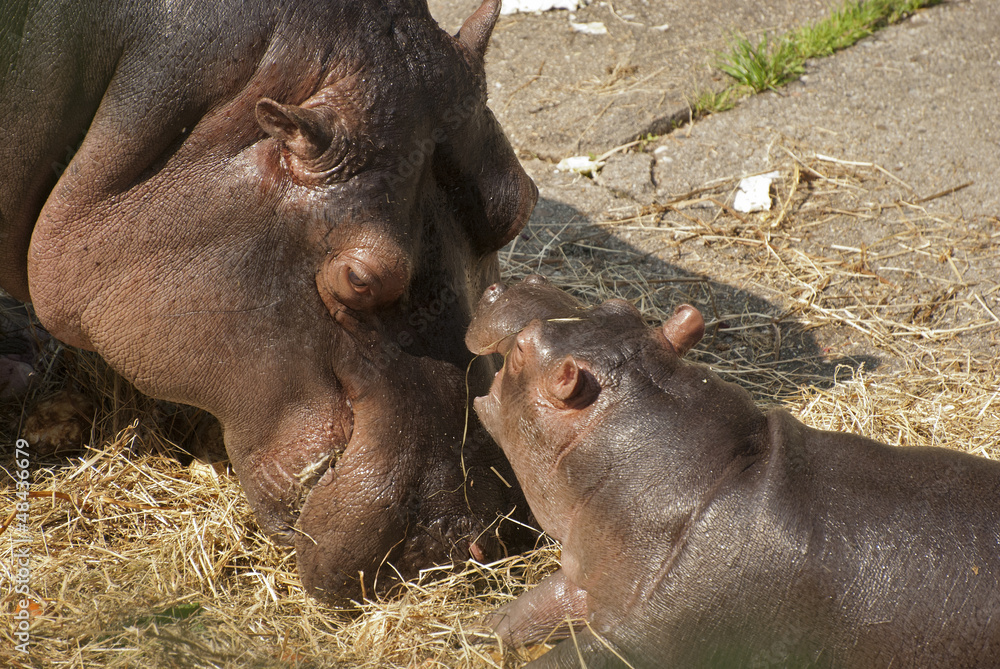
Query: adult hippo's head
(285,216)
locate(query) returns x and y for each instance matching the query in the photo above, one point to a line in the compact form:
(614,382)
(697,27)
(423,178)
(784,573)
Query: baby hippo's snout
(503,311)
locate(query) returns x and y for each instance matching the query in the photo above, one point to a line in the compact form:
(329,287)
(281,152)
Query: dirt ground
(866,299)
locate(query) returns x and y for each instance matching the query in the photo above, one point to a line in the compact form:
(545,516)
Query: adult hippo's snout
(413,488)
(400,475)
(283,214)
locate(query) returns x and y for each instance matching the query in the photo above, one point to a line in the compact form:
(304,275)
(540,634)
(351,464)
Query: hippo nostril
(493,293)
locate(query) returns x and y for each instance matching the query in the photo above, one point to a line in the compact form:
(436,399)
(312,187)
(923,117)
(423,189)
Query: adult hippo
(698,531)
(283,213)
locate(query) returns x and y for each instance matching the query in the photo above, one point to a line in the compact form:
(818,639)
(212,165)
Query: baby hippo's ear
(571,387)
(684,329)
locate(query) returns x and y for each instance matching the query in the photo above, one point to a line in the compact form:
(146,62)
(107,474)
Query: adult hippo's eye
(359,279)
(356,284)
(356,281)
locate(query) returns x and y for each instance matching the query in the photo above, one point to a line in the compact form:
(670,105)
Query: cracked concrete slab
(558,92)
(918,99)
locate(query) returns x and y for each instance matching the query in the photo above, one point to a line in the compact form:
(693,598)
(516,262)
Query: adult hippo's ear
(684,329)
(475,33)
(313,135)
(480,149)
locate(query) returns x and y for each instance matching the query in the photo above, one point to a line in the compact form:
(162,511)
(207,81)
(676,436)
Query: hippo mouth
(409,488)
(339,442)
(488,406)
(503,311)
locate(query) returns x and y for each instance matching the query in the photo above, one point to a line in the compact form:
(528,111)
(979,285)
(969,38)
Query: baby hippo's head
(570,373)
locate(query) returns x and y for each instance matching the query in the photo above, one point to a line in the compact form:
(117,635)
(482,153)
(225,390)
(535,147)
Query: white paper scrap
(754,193)
(581,164)
(595,28)
(525,6)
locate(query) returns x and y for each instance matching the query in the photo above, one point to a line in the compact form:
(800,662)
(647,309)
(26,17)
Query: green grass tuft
(765,65)
(771,63)
(711,102)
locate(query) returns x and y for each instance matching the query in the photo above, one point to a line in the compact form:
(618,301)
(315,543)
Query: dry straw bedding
(872,314)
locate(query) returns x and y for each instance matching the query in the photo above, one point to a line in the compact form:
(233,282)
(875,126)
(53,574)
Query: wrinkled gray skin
(698,531)
(282,213)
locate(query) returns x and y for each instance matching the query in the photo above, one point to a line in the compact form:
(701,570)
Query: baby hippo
(698,531)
